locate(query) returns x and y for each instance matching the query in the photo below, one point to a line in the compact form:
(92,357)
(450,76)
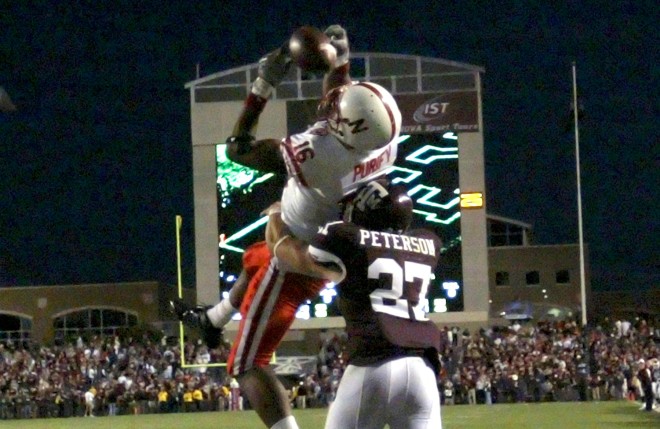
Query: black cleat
(195,317)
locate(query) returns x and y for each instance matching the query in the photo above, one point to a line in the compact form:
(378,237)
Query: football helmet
(363,116)
(379,206)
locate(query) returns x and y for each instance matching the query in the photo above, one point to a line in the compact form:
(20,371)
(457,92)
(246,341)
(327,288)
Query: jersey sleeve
(329,246)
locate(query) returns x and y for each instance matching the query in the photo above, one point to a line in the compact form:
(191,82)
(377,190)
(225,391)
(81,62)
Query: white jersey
(321,172)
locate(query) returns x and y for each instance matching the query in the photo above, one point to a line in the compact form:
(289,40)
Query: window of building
(515,235)
(94,321)
(504,234)
(533,278)
(502,278)
(497,234)
(15,329)
(562,277)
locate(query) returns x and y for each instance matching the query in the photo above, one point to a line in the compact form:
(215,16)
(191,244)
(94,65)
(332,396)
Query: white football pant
(402,393)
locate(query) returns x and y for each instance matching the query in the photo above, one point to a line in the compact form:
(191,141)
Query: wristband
(243,142)
(341,61)
(278,243)
(227,306)
(261,88)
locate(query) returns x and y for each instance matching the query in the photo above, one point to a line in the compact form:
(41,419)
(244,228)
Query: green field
(565,415)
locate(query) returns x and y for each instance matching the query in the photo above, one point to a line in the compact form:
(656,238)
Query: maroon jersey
(387,277)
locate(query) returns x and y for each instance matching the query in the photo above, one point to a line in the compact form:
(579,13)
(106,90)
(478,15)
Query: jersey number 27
(396,299)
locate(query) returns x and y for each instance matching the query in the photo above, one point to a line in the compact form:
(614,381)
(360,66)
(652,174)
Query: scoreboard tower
(440,161)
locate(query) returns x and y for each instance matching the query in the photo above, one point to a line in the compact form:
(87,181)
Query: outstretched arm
(339,75)
(292,252)
(262,155)
(242,147)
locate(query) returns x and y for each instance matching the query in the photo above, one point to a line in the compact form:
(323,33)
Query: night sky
(96,161)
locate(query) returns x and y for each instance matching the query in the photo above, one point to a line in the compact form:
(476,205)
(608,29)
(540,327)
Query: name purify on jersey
(387,240)
(368,167)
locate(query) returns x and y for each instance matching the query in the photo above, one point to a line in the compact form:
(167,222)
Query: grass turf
(555,415)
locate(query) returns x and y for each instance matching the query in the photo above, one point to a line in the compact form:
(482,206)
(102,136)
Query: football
(310,49)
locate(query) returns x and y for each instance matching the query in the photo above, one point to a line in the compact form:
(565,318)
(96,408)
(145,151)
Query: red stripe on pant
(254,319)
(268,311)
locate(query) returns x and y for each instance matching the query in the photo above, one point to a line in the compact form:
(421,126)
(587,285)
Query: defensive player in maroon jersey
(383,273)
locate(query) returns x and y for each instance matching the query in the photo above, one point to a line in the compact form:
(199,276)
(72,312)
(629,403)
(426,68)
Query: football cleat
(195,317)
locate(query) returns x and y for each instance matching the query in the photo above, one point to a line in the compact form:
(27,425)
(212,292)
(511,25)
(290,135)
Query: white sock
(221,313)
(286,423)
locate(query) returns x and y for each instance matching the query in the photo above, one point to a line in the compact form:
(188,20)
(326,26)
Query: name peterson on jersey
(425,246)
(337,243)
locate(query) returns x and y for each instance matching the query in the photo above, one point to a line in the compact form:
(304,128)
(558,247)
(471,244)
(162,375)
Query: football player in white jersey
(383,273)
(354,140)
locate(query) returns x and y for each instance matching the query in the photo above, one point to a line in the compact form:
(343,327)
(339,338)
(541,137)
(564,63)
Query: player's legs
(251,351)
(361,399)
(267,396)
(268,310)
(414,401)
(263,310)
(401,392)
(255,257)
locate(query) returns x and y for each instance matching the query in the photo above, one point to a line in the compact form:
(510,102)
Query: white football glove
(274,66)
(271,70)
(339,40)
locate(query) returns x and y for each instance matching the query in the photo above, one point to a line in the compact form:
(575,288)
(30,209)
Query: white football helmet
(363,115)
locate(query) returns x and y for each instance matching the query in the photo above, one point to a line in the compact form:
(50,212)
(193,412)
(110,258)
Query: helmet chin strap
(348,212)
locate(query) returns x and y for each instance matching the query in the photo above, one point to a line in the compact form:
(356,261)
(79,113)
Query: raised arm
(339,75)
(242,147)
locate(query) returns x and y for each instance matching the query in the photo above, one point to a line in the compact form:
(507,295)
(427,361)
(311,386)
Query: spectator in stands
(198,398)
(645,378)
(90,396)
(483,387)
(188,400)
(57,382)
(594,386)
(655,375)
(164,398)
(301,396)
(223,397)
(448,393)
(113,393)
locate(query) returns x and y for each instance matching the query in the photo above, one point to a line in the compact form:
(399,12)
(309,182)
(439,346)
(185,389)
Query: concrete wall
(212,123)
(547,260)
(42,304)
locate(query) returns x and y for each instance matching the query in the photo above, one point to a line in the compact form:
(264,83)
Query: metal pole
(6,105)
(583,292)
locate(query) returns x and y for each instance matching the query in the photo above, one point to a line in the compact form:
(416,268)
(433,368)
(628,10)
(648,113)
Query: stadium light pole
(6,105)
(583,292)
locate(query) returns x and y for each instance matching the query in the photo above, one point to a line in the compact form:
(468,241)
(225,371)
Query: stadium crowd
(553,361)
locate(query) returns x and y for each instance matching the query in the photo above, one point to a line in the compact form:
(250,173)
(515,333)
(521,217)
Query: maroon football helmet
(380,206)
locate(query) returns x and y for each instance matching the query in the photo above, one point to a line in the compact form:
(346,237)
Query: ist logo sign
(431,110)
(439,113)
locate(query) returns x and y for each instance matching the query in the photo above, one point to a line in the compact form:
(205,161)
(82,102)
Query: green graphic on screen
(427,165)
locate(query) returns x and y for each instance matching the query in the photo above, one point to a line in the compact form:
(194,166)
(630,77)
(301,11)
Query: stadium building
(440,161)
(488,261)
